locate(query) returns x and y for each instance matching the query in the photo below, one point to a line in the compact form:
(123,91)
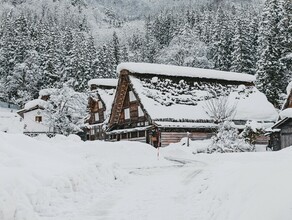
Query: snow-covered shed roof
(31,105)
(180,71)
(181,100)
(285,115)
(34,103)
(103,82)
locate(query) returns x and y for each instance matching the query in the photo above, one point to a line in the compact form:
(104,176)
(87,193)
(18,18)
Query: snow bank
(49,177)
(64,178)
(171,70)
(10,121)
(239,186)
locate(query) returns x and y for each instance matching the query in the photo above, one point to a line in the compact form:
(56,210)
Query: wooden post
(188,139)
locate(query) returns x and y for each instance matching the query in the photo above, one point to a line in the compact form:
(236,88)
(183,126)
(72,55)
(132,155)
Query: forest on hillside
(46,43)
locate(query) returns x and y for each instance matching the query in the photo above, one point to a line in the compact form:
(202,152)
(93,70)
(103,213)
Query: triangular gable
(127,103)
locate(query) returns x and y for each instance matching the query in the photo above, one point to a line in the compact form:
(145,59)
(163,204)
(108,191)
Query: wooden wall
(286,135)
(174,137)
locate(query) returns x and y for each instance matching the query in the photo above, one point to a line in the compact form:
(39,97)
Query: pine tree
(222,42)
(241,55)
(270,74)
(105,67)
(285,29)
(116,50)
(150,48)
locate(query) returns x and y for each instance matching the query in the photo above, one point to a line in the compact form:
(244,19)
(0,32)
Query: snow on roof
(171,70)
(103,82)
(107,96)
(287,113)
(172,102)
(45,92)
(185,124)
(34,103)
(289,87)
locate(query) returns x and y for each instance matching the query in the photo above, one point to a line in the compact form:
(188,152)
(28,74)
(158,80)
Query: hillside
(138,9)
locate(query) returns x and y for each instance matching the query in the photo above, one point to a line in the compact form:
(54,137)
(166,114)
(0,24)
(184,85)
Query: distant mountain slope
(140,8)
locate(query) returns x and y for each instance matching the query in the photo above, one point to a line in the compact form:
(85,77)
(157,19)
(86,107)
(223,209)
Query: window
(96,116)
(100,105)
(124,136)
(141,124)
(38,118)
(134,134)
(132,96)
(140,112)
(141,133)
(127,113)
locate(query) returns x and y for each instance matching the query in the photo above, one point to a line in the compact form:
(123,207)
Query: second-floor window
(38,118)
(96,116)
(127,113)
(132,96)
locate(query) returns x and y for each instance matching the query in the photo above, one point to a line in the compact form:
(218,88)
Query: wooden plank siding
(286,135)
(174,137)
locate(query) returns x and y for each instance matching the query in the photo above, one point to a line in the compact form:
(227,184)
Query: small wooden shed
(161,104)
(281,132)
(281,135)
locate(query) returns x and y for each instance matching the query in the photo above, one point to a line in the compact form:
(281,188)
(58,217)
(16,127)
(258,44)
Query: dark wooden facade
(128,120)
(97,114)
(281,137)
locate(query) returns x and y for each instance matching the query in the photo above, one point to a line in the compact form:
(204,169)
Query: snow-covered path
(156,193)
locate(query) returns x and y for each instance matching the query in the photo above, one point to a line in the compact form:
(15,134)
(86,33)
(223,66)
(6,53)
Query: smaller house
(99,106)
(281,132)
(33,118)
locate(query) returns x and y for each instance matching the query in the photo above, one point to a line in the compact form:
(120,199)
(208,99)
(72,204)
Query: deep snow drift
(65,178)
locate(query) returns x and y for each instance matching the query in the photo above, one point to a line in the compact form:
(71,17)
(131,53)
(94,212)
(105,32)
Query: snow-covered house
(33,118)
(99,104)
(160,104)
(281,132)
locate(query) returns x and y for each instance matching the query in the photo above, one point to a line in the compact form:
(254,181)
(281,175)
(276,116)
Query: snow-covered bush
(227,140)
(251,131)
(65,110)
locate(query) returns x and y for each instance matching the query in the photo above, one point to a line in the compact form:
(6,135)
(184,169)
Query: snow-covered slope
(10,121)
(65,178)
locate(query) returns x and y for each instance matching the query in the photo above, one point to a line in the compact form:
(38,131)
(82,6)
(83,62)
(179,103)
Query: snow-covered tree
(252,131)
(227,140)
(242,49)
(221,54)
(65,110)
(285,29)
(186,49)
(270,74)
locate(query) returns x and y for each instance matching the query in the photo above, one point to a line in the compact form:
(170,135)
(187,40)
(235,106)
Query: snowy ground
(65,178)
(10,121)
